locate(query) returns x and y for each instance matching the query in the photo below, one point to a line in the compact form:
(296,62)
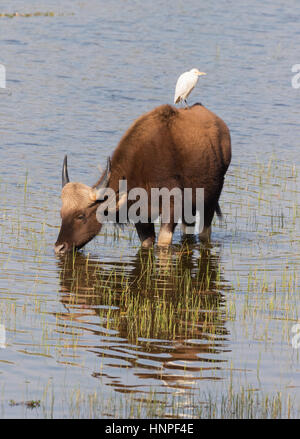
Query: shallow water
(117,331)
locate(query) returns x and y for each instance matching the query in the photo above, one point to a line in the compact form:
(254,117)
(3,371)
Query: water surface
(118,331)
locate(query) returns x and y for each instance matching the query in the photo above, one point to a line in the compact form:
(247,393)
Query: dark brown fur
(185,148)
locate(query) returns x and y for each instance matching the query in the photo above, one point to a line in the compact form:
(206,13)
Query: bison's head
(79,205)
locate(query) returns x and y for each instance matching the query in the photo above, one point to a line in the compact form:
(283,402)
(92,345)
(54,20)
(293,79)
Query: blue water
(75,83)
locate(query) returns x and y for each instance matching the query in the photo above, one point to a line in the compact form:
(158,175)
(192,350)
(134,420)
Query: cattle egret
(185,84)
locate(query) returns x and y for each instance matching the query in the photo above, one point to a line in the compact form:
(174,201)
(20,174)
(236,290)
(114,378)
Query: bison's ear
(99,190)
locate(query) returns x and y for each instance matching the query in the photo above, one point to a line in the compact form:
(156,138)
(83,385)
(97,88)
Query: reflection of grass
(247,403)
(161,298)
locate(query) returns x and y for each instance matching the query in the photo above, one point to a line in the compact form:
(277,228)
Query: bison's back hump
(167,142)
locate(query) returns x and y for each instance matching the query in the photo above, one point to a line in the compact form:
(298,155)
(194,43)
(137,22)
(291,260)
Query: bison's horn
(103,183)
(64,175)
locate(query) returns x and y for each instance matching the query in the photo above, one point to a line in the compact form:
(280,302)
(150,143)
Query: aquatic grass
(246,403)
(183,310)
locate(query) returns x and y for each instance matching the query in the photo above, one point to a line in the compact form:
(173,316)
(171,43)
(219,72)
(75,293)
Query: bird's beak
(201,73)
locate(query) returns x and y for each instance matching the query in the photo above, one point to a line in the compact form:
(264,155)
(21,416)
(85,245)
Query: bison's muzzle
(60,249)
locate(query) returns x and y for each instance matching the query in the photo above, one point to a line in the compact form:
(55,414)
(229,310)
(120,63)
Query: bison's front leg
(166,234)
(146,233)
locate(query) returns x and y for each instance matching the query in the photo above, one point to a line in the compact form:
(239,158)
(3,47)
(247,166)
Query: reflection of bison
(185,148)
(166,307)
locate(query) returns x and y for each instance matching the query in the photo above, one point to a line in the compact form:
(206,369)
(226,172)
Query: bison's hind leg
(189,229)
(205,234)
(146,234)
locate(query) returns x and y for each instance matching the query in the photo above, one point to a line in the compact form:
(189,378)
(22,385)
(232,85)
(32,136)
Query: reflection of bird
(185,84)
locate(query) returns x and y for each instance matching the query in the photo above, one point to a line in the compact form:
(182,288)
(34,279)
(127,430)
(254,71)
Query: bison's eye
(81,216)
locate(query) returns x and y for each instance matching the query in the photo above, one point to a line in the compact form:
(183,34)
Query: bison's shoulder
(148,130)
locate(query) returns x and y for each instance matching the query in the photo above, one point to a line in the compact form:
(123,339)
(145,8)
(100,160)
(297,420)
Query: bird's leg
(186,105)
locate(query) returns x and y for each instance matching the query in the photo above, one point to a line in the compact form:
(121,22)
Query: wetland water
(116,331)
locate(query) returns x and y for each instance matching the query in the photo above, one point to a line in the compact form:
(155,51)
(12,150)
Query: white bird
(185,84)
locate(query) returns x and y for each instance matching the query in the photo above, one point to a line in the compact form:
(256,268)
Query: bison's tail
(219,211)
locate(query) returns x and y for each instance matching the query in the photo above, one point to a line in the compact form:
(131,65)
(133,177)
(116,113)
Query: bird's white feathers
(185,84)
